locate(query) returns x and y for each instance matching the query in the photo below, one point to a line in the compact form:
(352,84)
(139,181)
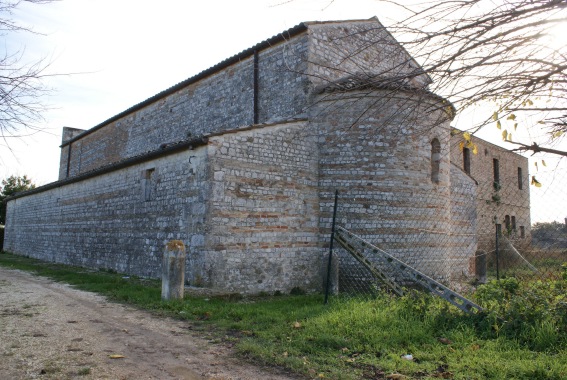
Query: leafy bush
(534,314)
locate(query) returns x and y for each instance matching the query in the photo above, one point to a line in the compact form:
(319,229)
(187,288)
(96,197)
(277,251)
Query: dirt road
(51,331)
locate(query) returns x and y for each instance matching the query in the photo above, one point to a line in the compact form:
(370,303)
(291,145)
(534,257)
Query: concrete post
(173,271)
(480,266)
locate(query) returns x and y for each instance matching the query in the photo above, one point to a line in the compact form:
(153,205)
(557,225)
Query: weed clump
(84,371)
(532,313)
(297,291)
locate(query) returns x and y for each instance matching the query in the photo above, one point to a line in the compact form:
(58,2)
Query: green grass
(84,371)
(523,336)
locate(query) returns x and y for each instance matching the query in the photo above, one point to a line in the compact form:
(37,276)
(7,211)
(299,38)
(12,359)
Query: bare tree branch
(535,148)
(22,85)
(483,51)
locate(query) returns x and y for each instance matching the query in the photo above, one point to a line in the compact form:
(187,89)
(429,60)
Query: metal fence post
(328,285)
(497,252)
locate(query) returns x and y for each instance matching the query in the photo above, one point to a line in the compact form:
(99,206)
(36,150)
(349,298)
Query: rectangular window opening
(520,177)
(467,160)
(148,184)
(507,223)
(496,170)
(522,232)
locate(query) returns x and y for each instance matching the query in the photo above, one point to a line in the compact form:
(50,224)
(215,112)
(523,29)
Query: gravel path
(49,330)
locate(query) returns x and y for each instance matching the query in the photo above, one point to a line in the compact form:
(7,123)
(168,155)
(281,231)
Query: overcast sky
(117,53)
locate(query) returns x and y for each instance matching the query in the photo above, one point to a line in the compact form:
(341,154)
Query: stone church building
(241,162)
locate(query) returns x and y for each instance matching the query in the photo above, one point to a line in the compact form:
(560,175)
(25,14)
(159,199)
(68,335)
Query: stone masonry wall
(262,231)
(381,164)
(362,50)
(246,205)
(463,225)
(120,220)
(68,134)
(222,101)
(495,202)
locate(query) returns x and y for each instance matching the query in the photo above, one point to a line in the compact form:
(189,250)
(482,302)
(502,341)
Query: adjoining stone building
(241,162)
(503,194)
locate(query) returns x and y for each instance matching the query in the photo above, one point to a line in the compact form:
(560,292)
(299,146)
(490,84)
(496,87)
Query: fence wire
(480,232)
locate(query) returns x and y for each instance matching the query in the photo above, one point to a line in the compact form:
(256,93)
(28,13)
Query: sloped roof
(147,156)
(164,150)
(281,37)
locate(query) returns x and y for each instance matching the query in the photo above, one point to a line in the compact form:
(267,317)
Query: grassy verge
(523,337)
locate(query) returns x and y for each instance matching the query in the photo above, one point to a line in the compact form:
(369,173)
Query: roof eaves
(164,150)
(496,146)
(281,37)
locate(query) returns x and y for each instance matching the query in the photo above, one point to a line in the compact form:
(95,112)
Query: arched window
(435,159)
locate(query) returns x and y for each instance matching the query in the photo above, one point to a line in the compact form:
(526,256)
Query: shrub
(532,313)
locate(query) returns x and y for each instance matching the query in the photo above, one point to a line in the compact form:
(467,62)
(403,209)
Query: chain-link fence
(475,233)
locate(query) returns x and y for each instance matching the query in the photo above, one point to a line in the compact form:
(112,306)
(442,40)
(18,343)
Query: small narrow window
(467,160)
(513,221)
(522,232)
(507,223)
(148,184)
(435,160)
(496,170)
(520,177)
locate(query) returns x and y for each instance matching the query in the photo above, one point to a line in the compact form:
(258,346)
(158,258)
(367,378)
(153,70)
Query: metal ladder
(357,246)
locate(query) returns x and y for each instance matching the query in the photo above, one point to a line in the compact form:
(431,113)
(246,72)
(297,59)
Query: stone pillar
(173,271)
